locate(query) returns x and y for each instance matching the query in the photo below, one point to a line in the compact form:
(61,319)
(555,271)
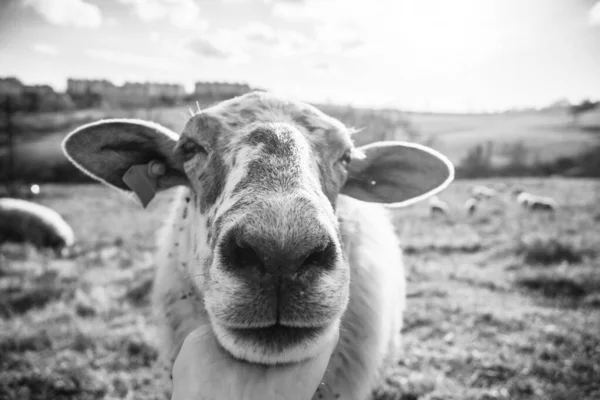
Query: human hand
(205,371)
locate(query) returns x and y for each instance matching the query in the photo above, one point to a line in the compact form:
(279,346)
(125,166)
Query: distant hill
(547,135)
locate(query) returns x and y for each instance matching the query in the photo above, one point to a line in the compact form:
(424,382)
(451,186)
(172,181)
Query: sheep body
(471,205)
(542,203)
(534,202)
(370,331)
(481,191)
(437,206)
(22,221)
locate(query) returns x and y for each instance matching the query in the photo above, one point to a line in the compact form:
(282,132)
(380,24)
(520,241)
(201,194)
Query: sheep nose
(252,254)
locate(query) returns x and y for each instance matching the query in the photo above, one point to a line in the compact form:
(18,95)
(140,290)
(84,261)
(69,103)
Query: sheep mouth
(277,336)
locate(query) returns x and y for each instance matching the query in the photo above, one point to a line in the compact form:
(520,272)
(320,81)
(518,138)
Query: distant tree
(476,163)
(518,154)
(577,109)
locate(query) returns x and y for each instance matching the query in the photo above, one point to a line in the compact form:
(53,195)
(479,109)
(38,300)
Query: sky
(429,55)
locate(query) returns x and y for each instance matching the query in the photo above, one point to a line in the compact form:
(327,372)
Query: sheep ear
(108,149)
(397,173)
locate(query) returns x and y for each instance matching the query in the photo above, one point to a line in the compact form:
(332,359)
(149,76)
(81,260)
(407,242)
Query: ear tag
(141,179)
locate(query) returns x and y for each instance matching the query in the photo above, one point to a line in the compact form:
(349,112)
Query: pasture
(501,305)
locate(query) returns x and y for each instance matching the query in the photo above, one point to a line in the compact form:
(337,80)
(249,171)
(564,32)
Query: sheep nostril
(244,256)
(320,257)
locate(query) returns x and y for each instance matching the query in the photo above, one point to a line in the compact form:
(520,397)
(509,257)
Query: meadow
(504,304)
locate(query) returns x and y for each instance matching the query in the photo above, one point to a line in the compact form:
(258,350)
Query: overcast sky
(444,55)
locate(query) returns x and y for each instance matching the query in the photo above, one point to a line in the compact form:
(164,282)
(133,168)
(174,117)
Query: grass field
(501,305)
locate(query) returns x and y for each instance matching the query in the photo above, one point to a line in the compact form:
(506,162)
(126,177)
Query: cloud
(111,21)
(205,48)
(281,42)
(181,13)
(339,40)
(121,57)
(595,14)
(76,13)
(220,44)
(45,48)
(323,67)
(260,33)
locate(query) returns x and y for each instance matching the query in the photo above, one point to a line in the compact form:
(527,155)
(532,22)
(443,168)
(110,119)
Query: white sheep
(524,198)
(535,202)
(438,207)
(270,189)
(22,221)
(471,205)
(481,192)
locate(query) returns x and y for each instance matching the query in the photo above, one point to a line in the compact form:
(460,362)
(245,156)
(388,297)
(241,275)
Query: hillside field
(546,135)
(501,305)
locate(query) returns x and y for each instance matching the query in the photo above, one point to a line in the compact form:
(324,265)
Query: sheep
(483,192)
(471,205)
(536,203)
(22,221)
(524,198)
(270,191)
(438,207)
(543,203)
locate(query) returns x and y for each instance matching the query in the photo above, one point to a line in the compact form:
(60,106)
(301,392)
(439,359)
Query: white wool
(36,217)
(372,322)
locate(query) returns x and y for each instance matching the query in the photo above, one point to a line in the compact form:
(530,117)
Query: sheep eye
(190,148)
(346,158)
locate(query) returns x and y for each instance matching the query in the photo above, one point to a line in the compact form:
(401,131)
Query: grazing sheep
(536,203)
(524,198)
(483,192)
(275,239)
(542,203)
(471,205)
(22,221)
(438,207)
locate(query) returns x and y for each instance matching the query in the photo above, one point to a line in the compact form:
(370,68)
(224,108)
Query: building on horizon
(220,89)
(97,86)
(128,89)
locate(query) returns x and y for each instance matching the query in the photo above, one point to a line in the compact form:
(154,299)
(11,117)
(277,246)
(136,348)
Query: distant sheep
(524,198)
(483,192)
(471,205)
(437,206)
(543,203)
(22,221)
(534,202)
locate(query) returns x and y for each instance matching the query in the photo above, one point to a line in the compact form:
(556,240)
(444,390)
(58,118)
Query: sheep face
(264,175)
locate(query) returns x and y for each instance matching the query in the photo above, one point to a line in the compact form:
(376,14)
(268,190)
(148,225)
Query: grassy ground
(501,305)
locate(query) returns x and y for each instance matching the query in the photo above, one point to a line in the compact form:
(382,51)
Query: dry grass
(501,305)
